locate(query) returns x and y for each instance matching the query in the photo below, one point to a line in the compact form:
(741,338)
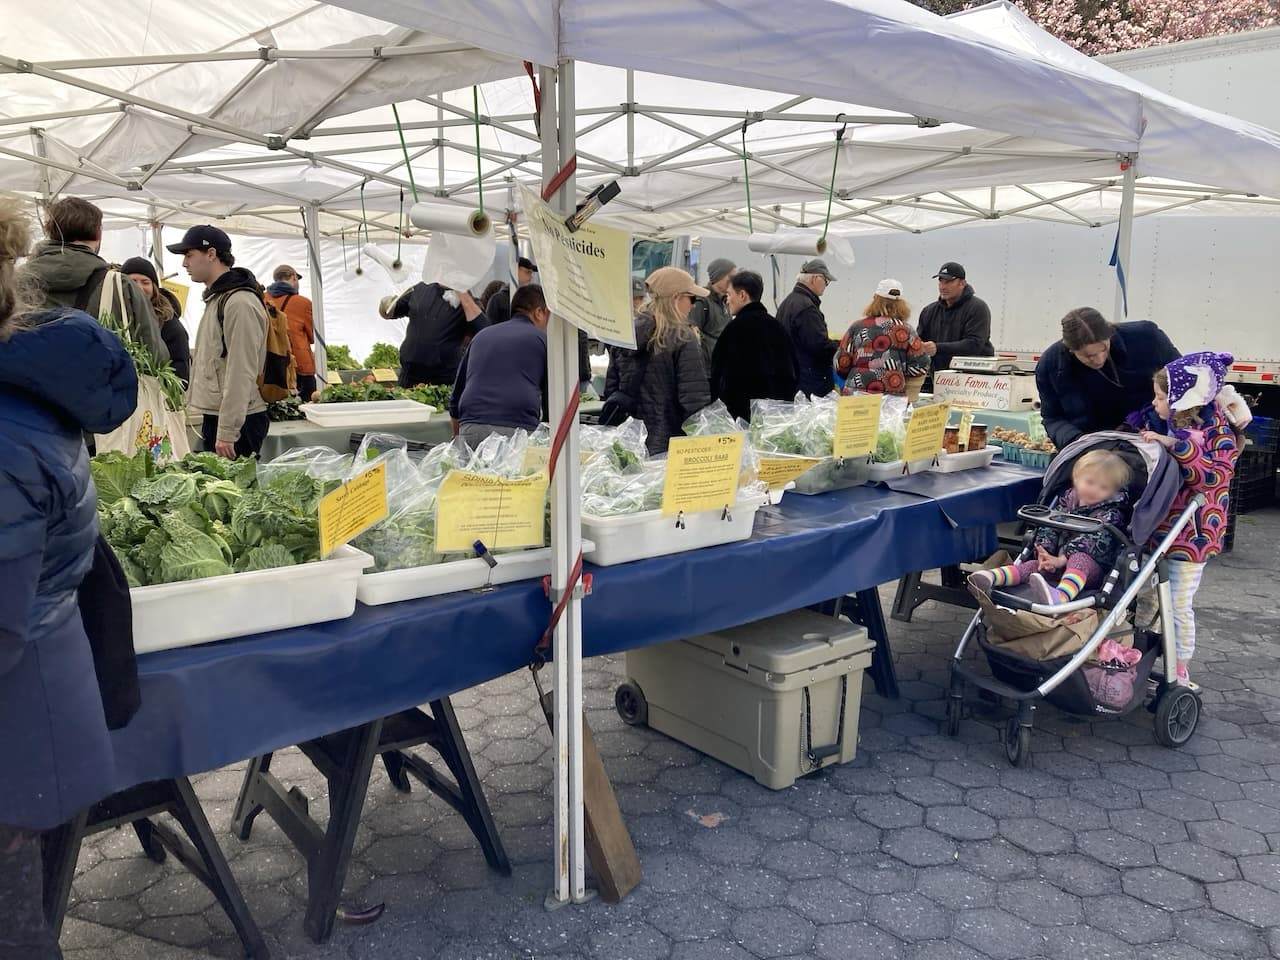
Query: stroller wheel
(1017,743)
(1177,714)
(955,705)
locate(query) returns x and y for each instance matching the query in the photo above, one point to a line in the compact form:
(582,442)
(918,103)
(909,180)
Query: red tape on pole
(543,648)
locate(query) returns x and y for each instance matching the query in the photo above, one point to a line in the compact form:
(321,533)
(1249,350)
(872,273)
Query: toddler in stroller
(1098,492)
(1043,645)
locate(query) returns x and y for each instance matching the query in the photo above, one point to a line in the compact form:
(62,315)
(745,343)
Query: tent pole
(558,136)
(311,217)
(1124,243)
(157,239)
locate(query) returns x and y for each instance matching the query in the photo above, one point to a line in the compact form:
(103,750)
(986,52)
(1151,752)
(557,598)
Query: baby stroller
(1062,679)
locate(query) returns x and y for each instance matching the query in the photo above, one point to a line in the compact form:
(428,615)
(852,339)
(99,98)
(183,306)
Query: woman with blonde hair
(664,381)
(881,353)
(55,750)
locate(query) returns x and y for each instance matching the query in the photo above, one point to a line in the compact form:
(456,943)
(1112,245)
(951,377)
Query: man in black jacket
(957,324)
(753,358)
(710,315)
(438,325)
(801,317)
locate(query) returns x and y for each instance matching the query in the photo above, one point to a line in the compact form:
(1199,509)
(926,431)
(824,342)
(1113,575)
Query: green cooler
(776,699)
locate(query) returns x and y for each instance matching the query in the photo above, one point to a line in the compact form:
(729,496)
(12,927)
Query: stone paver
(1109,846)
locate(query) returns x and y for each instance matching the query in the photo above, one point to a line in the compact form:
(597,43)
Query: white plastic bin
(966,460)
(171,615)
(381,412)
(776,699)
(832,474)
(413,583)
(892,471)
(638,536)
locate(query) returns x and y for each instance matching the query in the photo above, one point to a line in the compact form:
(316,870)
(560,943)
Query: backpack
(279,376)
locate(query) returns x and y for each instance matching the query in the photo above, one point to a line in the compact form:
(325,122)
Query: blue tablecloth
(204,707)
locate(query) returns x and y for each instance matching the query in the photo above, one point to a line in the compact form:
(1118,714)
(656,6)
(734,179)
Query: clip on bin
(776,699)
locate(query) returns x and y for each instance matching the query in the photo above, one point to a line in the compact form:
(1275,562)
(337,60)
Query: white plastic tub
(891,471)
(638,536)
(171,615)
(366,412)
(832,474)
(968,460)
(395,586)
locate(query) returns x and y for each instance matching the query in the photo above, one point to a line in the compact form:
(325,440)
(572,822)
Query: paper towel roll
(439,218)
(395,269)
(458,262)
(808,243)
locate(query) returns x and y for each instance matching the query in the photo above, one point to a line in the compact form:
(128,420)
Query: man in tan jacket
(231,346)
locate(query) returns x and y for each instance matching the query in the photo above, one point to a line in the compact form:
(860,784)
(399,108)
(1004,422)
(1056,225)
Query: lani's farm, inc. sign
(987,391)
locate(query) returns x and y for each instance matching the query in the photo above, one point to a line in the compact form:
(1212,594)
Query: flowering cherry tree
(1108,26)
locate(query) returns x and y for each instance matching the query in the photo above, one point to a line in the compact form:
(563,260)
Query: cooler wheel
(631,704)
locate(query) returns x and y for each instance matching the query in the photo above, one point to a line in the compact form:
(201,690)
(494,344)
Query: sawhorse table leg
(864,608)
(913,591)
(346,760)
(198,852)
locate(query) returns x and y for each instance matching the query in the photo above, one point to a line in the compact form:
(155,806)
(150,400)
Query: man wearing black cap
(957,324)
(231,345)
(710,314)
(801,316)
(524,271)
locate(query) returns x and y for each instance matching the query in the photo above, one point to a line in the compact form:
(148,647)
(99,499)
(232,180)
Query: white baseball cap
(889,289)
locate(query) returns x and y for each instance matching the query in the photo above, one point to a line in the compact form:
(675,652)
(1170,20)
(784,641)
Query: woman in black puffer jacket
(664,380)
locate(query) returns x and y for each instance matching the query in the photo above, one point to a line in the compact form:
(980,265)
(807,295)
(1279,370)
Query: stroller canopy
(1155,481)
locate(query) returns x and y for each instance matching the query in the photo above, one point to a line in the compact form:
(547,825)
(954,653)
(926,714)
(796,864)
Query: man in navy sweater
(502,381)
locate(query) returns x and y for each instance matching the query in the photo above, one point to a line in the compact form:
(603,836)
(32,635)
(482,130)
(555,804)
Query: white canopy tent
(173,118)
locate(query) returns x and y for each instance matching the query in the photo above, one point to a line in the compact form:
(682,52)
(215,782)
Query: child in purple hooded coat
(1186,420)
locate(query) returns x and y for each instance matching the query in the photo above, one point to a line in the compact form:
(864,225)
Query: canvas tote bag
(152,425)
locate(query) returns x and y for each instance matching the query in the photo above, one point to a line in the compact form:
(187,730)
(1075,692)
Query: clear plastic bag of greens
(305,474)
(712,420)
(440,459)
(373,445)
(894,414)
(502,456)
(608,492)
(407,536)
(799,427)
(624,445)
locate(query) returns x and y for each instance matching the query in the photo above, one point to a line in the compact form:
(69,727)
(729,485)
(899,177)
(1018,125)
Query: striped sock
(1006,576)
(1071,584)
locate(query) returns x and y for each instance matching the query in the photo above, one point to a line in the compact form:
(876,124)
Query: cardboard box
(986,391)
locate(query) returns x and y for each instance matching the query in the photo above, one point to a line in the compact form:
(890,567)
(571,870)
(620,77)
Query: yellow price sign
(498,512)
(857,423)
(385,375)
(353,508)
(777,472)
(179,290)
(702,473)
(924,432)
(332,378)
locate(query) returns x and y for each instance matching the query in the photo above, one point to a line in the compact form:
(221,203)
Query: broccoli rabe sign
(702,473)
(857,422)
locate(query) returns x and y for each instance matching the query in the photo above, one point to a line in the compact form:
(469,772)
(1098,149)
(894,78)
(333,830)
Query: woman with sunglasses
(664,381)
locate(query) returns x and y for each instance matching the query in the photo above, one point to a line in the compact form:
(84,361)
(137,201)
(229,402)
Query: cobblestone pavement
(924,847)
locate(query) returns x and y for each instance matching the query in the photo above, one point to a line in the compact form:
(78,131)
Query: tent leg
(311,216)
(558,144)
(1124,244)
